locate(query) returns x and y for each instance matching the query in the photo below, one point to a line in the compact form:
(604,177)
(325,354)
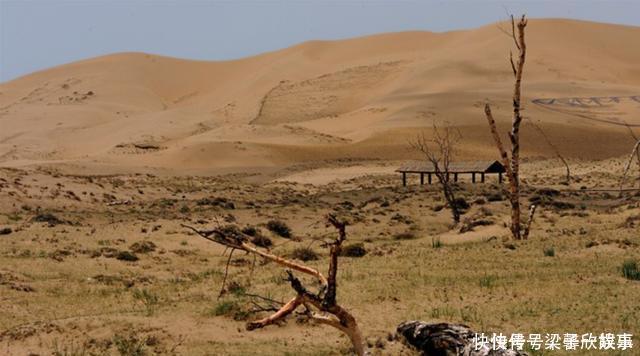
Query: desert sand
(102,160)
(360,98)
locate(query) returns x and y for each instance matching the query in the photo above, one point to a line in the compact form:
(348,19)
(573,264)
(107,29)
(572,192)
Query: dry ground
(64,290)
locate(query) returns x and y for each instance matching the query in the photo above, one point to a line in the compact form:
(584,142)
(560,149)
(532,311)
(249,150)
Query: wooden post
(404,179)
(473,177)
(482,177)
(429,175)
(455,177)
(421,178)
(500,177)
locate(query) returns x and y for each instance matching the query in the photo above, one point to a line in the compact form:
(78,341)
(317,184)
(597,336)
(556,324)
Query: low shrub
(279,228)
(353,250)
(143,247)
(549,251)
(407,235)
(126,256)
(631,270)
(304,254)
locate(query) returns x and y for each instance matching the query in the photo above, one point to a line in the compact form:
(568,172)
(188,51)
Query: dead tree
(320,306)
(439,151)
(555,150)
(635,139)
(512,164)
(634,153)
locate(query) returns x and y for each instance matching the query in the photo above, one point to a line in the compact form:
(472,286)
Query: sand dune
(357,98)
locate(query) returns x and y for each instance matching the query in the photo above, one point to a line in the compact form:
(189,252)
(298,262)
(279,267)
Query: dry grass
(170,294)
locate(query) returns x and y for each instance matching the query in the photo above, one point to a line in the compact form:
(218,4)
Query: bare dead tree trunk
(635,138)
(440,156)
(555,150)
(327,310)
(512,164)
(634,152)
(532,211)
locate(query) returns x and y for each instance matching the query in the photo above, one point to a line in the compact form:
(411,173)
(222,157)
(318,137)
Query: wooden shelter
(473,167)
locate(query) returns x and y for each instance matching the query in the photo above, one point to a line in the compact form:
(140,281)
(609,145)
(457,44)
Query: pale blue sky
(36,34)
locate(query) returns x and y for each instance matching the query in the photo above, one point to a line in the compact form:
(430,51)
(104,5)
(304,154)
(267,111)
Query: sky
(37,34)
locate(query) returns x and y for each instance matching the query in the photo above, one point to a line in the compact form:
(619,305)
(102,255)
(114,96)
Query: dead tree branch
(555,150)
(327,309)
(512,164)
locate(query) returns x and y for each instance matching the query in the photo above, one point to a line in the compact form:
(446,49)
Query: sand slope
(356,98)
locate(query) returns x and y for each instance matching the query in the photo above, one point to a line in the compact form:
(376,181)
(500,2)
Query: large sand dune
(321,100)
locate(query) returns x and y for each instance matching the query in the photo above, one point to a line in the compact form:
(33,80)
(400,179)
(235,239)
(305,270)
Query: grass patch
(630,270)
(487,281)
(231,308)
(129,345)
(149,300)
(549,251)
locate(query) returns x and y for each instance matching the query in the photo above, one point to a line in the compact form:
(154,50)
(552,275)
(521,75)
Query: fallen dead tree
(320,306)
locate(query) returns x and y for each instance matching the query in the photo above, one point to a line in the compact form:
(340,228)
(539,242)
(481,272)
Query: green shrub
(630,270)
(549,251)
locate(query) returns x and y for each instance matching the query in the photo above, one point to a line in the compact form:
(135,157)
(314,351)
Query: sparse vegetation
(148,299)
(549,251)
(304,254)
(631,270)
(126,256)
(279,228)
(142,247)
(353,250)
(407,235)
(129,345)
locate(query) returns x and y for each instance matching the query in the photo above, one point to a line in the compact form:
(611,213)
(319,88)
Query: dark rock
(444,339)
(5,231)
